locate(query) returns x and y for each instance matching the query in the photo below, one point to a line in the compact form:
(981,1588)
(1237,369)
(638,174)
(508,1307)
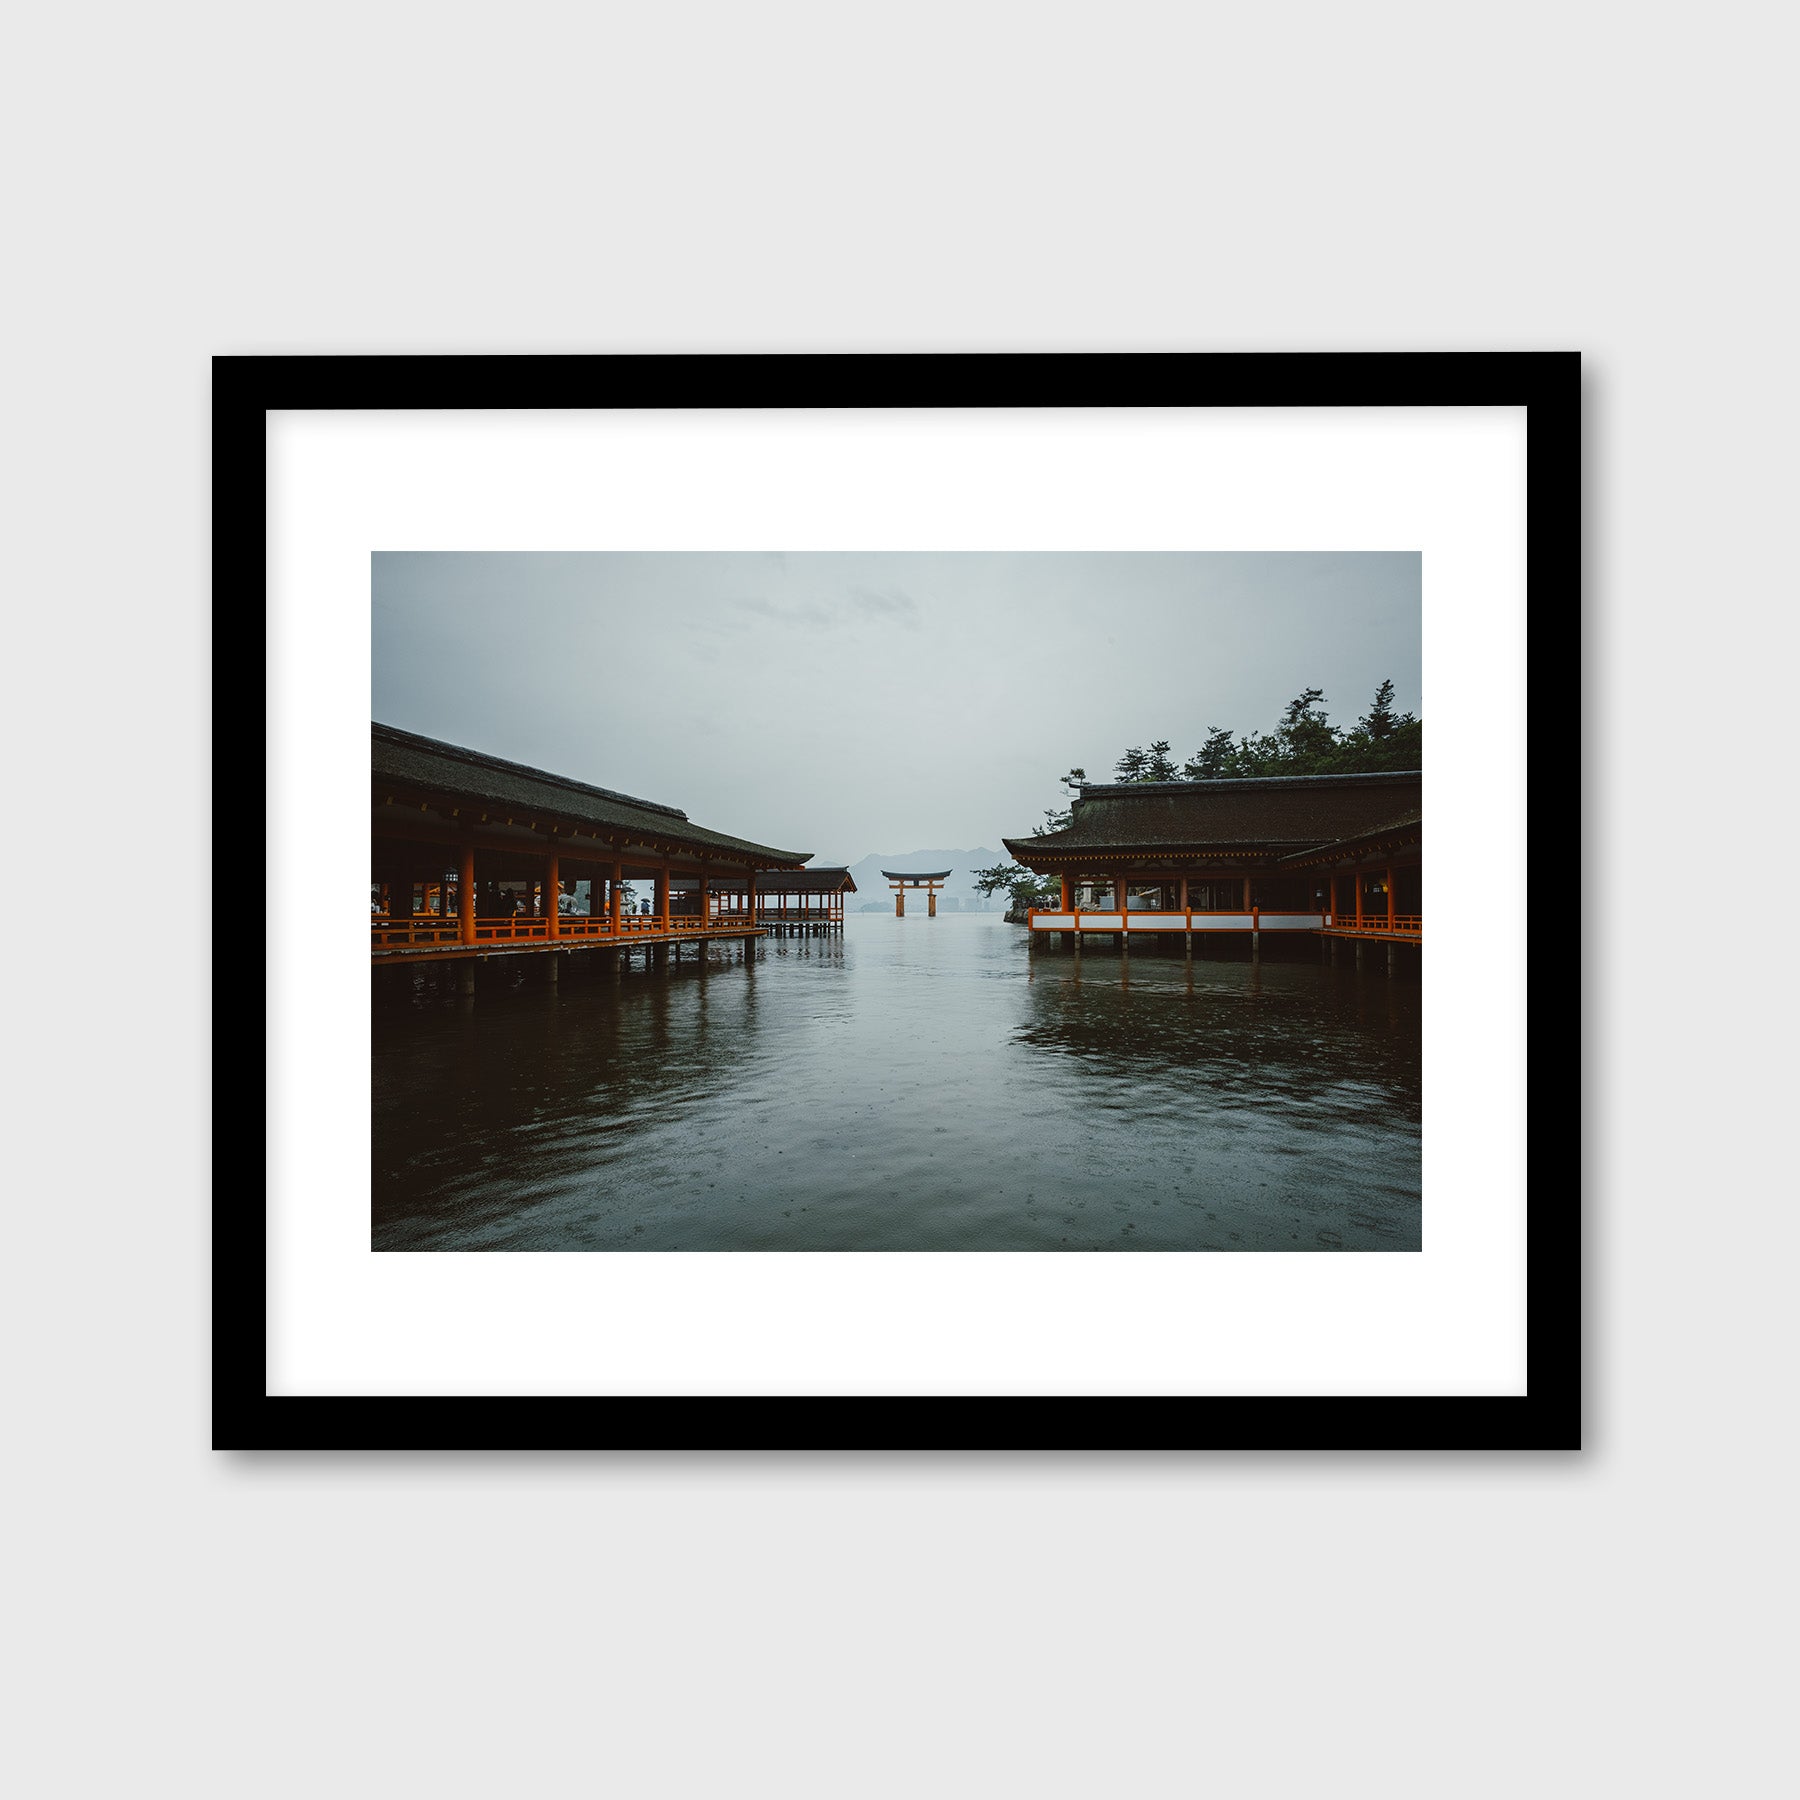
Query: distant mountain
(961,864)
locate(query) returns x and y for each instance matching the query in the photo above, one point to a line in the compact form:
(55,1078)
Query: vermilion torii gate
(900,883)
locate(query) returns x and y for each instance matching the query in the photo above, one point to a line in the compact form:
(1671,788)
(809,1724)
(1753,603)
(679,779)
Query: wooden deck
(435,939)
(1401,928)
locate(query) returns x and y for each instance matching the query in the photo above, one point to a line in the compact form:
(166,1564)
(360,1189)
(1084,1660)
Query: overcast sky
(845,704)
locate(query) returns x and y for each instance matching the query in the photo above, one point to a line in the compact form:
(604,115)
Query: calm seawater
(917,1084)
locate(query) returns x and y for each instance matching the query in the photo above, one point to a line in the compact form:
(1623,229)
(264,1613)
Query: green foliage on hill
(1304,742)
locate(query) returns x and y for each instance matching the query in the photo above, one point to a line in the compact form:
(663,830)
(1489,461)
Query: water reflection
(915,1084)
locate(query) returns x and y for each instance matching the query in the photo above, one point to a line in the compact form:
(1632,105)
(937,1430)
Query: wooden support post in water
(465,903)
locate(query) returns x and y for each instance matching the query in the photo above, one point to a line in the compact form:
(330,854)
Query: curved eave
(454,781)
(1370,843)
(1033,851)
(812,881)
(584,836)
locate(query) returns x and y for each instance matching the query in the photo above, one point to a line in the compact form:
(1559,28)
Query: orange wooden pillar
(465,895)
(931,901)
(553,894)
(1247,893)
(1356,882)
(1065,890)
(899,901)
(662,895)
(1390,898)
(618,897)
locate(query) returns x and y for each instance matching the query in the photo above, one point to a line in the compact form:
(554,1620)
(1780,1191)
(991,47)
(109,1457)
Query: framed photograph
(896,899)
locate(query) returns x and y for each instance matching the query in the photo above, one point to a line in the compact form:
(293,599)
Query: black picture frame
(1547,1417)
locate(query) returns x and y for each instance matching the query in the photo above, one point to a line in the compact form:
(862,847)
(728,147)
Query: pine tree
(1307,740)
(1382,738)
(1161,766)
(1131,766)
(1261,753)
(1215,758)
(1058,819)
(1380,721)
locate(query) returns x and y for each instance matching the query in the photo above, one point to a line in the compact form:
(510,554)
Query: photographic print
(896,901)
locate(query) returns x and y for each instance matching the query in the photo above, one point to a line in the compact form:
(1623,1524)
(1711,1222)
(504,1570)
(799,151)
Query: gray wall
(204,179)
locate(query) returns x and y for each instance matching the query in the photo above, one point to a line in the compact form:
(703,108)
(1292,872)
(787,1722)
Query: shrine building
(1337,855)
(475,856)
(793,901)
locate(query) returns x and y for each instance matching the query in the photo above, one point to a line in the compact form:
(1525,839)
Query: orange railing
(1376,924)
(1152,912)
(581,925)
(521,928)
(427,929)
(1408,925)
